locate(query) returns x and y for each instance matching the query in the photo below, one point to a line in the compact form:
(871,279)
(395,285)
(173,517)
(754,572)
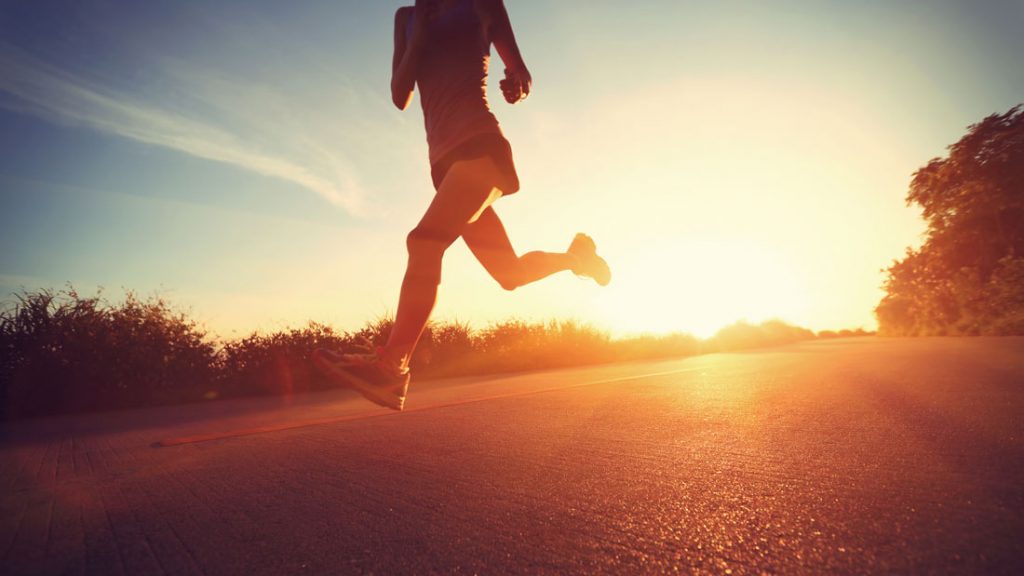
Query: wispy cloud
(247,133)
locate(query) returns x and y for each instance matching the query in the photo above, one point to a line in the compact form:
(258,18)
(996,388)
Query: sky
(242,158)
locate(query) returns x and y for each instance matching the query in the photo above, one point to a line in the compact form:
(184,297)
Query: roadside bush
(827,334)
(62,352)
(279,363)
(742,335)
(446,349)
(650,347)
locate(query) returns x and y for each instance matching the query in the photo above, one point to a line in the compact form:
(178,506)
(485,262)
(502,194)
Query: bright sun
(699,287)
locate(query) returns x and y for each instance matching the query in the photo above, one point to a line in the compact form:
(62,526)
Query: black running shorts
(493,145)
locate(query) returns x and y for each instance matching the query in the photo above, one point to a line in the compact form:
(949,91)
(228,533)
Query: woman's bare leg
(466,191)
(487,239)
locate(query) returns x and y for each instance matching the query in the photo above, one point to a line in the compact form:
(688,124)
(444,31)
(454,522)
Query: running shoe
(369,374)
(590,264)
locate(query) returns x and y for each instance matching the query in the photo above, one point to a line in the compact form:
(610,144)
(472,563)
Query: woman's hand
(516,84)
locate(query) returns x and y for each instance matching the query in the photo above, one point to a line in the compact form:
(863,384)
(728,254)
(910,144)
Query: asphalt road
(848,456)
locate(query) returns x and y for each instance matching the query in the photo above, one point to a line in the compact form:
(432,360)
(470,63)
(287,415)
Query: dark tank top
(452,80)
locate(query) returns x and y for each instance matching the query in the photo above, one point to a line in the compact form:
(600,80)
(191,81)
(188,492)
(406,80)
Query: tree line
(967,278)
(61,352)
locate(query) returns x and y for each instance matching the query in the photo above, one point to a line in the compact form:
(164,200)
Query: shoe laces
(367,353)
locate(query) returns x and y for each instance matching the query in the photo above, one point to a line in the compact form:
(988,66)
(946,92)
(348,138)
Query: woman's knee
(425,242)
(509,277)
(425,256)
(509,283)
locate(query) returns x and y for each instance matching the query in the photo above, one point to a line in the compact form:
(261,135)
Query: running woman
(443,47)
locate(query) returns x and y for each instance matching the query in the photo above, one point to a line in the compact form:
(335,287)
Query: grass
(63,352)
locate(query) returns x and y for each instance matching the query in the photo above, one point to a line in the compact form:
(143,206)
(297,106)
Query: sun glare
(699,287)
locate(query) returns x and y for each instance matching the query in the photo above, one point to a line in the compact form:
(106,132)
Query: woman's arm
(517,83)
(406,57)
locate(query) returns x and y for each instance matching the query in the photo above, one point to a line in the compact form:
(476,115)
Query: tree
(965,278)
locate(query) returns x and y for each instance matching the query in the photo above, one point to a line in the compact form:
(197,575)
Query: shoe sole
(605,276)
(374,394)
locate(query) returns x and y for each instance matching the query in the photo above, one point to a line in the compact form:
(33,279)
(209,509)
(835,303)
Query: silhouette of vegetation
(743,335)
(829,334)
(64,352)
(968,276)
(61,352)
(278,363)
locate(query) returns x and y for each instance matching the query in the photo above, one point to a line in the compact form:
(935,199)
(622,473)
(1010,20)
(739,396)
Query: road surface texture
(847,456)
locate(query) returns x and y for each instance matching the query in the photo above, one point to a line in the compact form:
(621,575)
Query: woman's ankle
(395,359)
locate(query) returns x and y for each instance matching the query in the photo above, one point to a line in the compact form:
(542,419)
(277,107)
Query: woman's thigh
(467,191)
